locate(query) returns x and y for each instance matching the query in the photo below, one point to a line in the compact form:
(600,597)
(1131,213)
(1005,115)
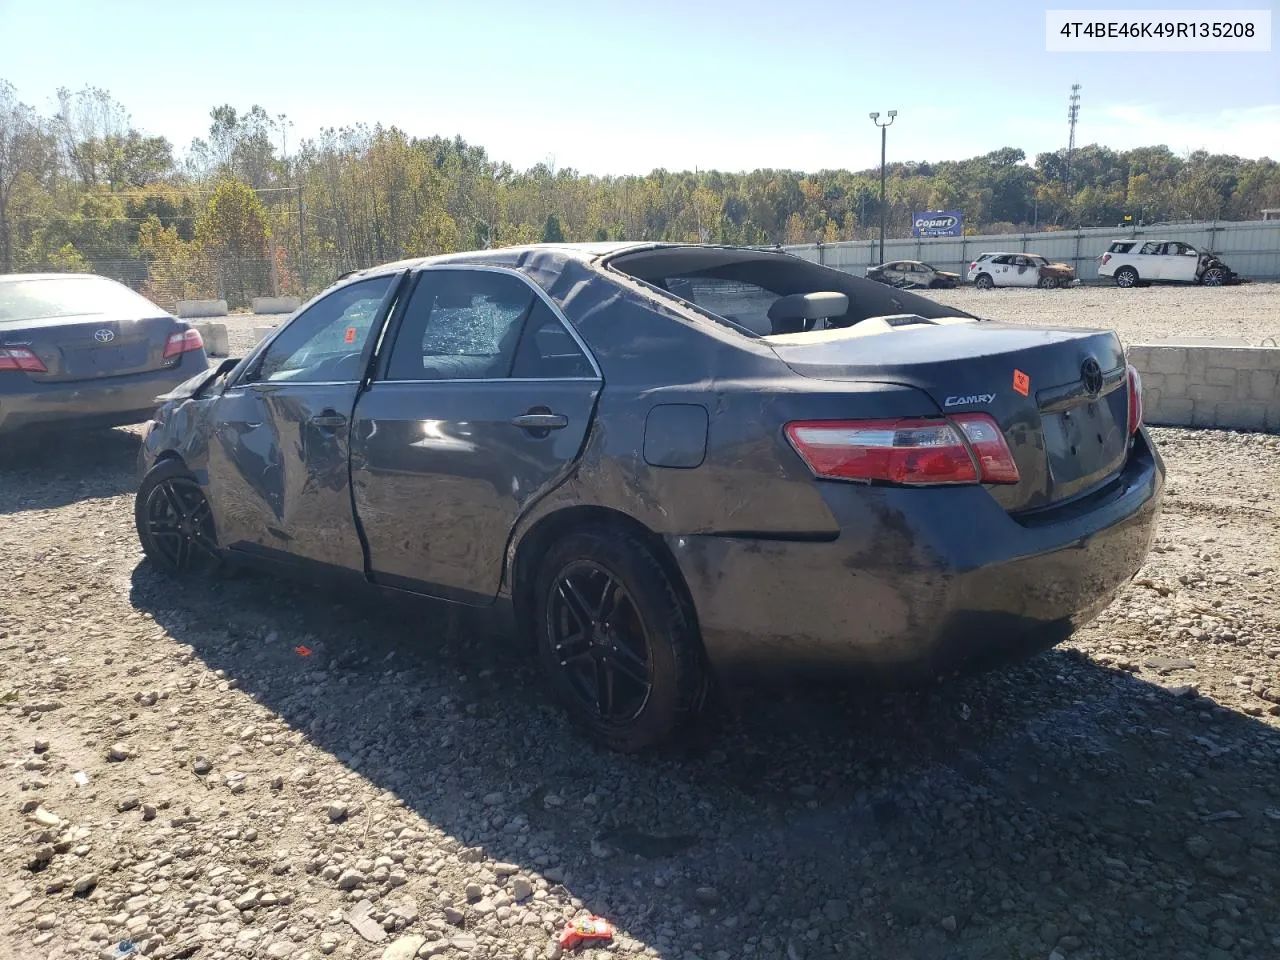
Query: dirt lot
(1250,312)
(1118,797)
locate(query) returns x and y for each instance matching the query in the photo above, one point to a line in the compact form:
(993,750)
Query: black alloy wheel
(175,523)
(618,637)
(601,641)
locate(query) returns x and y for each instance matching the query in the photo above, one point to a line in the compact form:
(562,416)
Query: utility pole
(1073,113)
(884,134)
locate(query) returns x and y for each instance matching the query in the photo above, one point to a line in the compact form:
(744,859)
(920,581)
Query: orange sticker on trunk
(1021,382)
(350,336)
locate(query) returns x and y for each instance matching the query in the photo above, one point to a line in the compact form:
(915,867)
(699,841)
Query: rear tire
(617,639)
(984,282)
(175,522)
(1127,277)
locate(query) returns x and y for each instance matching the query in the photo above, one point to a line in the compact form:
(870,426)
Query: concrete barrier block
(1211,393)
(214,335)
(1223,376)
(1273,416)
(202,308)
(1169,412)
(1152,380)
(1267,358)
(1175,384)
(1163,360)
(1263,385)
(1240,416)
(261,333)
(1204,413)
(275,304)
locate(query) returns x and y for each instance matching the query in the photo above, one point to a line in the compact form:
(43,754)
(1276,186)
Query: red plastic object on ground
(589,929)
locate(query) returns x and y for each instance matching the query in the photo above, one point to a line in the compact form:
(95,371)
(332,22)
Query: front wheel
(1047,283)
(984,282)
(617,639)
(174,521)
(1214,277)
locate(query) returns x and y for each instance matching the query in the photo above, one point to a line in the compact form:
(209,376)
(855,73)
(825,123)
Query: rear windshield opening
(49,298)
(739,287)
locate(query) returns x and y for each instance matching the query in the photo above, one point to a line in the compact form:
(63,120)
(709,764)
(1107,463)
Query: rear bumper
(26,404)
(923,582)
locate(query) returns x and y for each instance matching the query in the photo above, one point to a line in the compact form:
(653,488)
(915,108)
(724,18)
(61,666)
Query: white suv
(1131,263)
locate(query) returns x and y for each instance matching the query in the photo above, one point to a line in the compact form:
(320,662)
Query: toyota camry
(81,351)
(666,462)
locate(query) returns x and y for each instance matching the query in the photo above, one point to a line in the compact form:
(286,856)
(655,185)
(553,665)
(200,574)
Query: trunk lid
(93,347)
(1066,435)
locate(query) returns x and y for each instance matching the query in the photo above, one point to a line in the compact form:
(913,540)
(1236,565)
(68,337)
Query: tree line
(239,214)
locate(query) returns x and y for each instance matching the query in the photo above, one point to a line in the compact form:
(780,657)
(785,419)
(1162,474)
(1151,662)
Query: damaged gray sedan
(664,462)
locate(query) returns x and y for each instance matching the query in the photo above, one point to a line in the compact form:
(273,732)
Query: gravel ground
(1249,312)
(1118,797)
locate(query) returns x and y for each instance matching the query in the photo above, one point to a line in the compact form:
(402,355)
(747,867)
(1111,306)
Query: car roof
(582,252)
(7,277)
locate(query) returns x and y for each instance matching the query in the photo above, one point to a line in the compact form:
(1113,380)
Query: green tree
(233,229)
(551,231)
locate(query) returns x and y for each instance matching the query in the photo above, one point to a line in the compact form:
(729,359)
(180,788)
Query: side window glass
(460,325)
(326,341)
(1150,249)
(547,351)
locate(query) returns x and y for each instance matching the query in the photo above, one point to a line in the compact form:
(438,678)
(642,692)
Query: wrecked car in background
(665,461)
(912,273)
(1019,270)
(1131,264)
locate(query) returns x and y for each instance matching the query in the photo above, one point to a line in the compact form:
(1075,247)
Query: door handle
(540,421)
(328,419)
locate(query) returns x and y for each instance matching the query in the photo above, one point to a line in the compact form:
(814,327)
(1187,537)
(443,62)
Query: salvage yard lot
(261,756)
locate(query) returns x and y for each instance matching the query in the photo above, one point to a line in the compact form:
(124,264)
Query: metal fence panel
(1251,248)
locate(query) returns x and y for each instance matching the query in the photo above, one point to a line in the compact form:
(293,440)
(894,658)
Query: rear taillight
(1135,399)
(974,265)
(21,358)
(1106,258)
(964,449)
(183,341)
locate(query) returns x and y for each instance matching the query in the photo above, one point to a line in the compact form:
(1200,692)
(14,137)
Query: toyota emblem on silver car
(104,336)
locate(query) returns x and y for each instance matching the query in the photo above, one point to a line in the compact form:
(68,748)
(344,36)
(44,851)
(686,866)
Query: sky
(618,88)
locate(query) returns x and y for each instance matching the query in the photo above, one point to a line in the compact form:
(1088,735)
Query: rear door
(480,406)
(1150,261)
(278,454)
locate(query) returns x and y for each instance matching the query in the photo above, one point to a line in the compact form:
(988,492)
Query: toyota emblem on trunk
(1091,376)
(106,336)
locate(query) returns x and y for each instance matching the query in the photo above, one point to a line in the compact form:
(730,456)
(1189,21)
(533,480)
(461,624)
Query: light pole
(884,135)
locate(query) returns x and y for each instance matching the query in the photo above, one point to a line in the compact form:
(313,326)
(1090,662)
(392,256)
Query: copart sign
(938,223)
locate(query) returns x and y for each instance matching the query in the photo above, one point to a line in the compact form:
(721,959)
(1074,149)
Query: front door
(481,406)
(278,453)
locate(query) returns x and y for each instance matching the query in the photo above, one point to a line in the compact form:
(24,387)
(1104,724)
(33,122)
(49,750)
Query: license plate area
(91,361)
(1086,438)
